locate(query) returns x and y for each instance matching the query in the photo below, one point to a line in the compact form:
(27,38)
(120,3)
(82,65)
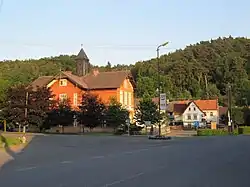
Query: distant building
(67,85)
(189,112)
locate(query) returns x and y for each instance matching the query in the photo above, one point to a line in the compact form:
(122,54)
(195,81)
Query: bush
(134,129)
(244,130)
(214,132)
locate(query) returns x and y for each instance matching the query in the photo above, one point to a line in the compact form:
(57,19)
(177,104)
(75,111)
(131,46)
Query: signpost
(163,103)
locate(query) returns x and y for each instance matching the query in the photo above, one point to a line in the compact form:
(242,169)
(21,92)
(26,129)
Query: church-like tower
(82,64)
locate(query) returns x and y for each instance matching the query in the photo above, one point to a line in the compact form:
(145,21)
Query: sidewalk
(182,133)
(5,157)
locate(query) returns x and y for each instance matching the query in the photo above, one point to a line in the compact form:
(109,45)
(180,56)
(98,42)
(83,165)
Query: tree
(183,73)
(115,114)
(14,106)
(92,110)
(24,106)
(61,115)
(146,111)
(39,105)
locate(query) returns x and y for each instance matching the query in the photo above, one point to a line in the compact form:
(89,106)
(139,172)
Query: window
(194,109)
(189,117)
(125,98)
(121,97)
(75,99)
(129,98)
(63,82)
(189,109)
(195,116)
(62,97)
(211,114)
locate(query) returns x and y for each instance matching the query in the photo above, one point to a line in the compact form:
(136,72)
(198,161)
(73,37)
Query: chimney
(95,72)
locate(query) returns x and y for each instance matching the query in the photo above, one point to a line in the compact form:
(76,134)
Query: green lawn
(9,141)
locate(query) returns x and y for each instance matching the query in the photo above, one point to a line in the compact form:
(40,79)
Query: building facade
(191,112)
(71,86)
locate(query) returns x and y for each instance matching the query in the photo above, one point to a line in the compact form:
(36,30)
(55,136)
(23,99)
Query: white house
(187,112)
(192,114)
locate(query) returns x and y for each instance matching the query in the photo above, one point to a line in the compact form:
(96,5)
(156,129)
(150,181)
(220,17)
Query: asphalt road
(77,161)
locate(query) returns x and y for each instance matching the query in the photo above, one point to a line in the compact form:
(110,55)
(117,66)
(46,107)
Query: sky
(118,31)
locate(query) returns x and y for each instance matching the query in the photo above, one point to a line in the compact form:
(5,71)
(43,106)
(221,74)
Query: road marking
(66,162)
(123,180)
(26,169)
(97,157)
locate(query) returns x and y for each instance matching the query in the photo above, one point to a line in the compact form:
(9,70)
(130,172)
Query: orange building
(107,85)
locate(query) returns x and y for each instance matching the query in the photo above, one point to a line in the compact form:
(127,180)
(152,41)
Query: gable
(126,85)
(192,108)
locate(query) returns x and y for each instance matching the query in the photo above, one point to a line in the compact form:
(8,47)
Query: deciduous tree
(92,110)
(115,114)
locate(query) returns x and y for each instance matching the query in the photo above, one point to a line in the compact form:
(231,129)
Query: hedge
(214,132)
(244,130)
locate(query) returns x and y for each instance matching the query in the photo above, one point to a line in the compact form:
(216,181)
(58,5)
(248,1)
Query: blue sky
(119,31)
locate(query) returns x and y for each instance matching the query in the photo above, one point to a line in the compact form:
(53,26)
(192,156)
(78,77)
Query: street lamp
(159,85)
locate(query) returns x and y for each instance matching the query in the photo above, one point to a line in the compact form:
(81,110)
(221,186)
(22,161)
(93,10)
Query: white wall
(192,111)
(215,116)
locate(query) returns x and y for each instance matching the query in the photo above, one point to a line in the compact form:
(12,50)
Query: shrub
(244,130)
(214,132)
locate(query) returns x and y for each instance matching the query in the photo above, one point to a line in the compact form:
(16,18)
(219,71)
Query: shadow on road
(10,151)
(6,146)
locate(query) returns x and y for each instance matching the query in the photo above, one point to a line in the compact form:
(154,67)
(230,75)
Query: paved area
(78,161)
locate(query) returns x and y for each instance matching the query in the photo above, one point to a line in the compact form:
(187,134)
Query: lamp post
(230,125)
(158,80)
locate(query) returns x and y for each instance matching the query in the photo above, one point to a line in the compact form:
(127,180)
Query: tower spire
(82,63)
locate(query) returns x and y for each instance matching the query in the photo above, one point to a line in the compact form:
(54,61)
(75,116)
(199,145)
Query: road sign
(147,123)
(196,123)
(163,103)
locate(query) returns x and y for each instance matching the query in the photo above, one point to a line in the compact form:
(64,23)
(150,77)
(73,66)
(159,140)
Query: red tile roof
(211,104)
(100,80)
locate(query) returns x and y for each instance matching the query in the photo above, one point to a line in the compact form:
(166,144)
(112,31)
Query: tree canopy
(202,70)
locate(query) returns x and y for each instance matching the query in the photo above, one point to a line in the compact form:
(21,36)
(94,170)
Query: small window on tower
(63,82)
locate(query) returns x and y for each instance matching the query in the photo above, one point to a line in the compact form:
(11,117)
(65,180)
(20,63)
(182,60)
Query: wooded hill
(203,70)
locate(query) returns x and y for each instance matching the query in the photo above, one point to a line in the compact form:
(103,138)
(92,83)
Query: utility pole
(159,83)
(230,125)
(26,111)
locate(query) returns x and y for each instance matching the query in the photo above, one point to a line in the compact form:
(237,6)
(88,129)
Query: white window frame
(75,99)
(129,98)
(125,97)
(63,97)
(63,82)
(121,96)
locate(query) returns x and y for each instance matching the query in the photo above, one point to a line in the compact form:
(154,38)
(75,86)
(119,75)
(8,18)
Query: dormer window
(63,82)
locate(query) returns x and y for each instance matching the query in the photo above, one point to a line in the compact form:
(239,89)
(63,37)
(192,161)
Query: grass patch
(9,141)
(244,130)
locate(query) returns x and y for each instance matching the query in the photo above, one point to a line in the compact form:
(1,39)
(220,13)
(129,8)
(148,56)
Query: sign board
(147,123)
(163,102)
(196,123)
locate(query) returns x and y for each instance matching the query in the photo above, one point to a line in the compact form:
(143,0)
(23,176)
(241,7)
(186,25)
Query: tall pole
(230,125)
(159,88)
(159,83)
(26,111)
